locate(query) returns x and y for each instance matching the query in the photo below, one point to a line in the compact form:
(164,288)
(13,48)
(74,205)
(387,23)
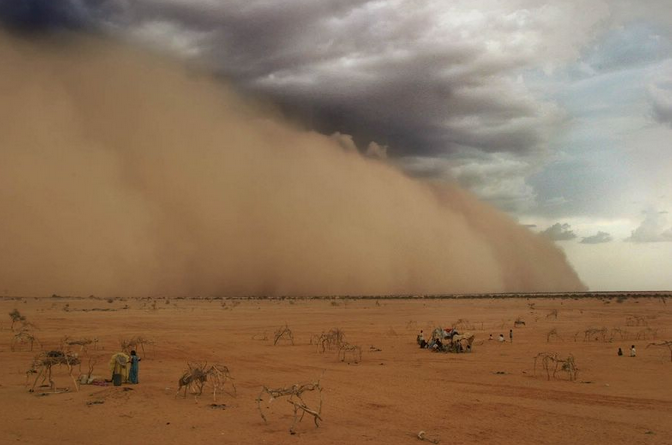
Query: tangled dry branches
(198,375)
(667,344)
(295,397)
(133,343)
(552,334)
(595,333)
(45,361)
(332,339)
(83,343)
(24,336)
(463,325)
(283,333)
(553,314)
(348,350)
(552,363)
(647,334)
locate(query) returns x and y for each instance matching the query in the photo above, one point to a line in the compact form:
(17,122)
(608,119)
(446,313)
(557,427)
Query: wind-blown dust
(124,174)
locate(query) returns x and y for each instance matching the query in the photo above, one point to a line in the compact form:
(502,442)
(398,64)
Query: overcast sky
(557,112)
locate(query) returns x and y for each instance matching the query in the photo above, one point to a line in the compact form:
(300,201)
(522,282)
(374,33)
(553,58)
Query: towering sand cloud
(125,174)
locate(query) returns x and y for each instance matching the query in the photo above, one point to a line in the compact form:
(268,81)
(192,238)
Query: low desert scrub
(346,350)
(24,336)
(283,333)
(329,340)
(294,396)
(552,363)
(553,335)
(132,343)
(664,344)
(552,314)
(198,375)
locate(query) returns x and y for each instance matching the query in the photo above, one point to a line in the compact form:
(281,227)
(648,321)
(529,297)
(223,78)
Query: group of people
(633,351)
(442,341)
(501,337)
(125,368)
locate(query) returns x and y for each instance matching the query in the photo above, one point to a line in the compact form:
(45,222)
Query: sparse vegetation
(133,343)
(295,397)
(198,375)
(283,333)
(552,363)
(553,335)
(665,344)
(346,350)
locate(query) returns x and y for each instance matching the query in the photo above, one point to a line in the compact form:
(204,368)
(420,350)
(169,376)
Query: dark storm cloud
(39,15)
(559,232)
(378,72)
(598,238)
(441,85)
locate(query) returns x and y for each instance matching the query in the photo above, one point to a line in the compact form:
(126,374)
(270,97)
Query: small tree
(16,317)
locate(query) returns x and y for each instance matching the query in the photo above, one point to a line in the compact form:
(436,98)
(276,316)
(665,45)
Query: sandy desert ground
(489,396)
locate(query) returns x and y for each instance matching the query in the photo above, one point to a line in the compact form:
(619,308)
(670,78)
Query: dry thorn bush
(283,333)
(552,314)
(352,351)
(664,344)
(553,334)
(552,363)
(329,340)
(133,343)
(198,375)
(595,333)
(295,397)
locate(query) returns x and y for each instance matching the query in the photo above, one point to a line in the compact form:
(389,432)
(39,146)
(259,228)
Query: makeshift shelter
(452,340)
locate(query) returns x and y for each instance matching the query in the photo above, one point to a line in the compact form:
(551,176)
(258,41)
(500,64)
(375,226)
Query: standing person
(490,337)
(511,335)
(135,366)
(633,353)
(421,340)
(620,352)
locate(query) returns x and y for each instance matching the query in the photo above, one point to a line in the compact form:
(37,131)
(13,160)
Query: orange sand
(387,398)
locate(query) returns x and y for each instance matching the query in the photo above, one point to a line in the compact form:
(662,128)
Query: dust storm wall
(122,173)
